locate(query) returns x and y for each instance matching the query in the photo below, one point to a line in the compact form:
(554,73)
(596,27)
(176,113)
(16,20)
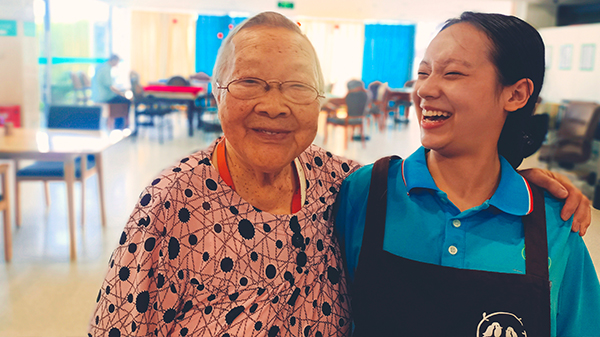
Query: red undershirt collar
(226,176)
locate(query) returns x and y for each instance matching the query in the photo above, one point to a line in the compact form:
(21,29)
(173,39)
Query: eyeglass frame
(268,88)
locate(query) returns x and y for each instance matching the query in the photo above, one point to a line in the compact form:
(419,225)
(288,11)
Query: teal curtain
(388,54)
(210,32)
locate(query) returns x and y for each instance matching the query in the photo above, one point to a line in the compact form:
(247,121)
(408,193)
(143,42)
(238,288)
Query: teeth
(427,113)
(269,132)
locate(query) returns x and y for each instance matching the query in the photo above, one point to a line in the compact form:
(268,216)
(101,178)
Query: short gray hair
(265,19)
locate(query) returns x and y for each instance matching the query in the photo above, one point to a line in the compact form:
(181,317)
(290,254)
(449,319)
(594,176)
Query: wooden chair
(356,106)
(81,96)
(573,143)
(66,117)
(148,111)
(377,109)
(178,81)
(5,208)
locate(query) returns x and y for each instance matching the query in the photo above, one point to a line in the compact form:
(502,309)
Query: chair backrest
(356,102)
(85,80)
(76,81)
(136,87)
(178,81)
(75,117)
(579,121)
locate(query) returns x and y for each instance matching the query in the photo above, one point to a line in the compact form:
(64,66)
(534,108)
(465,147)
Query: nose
(273,104)
(427,88)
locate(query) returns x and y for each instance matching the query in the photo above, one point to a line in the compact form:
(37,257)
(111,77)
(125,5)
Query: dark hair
(517,51)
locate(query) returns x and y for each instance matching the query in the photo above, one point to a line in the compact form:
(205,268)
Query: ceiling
(405,10)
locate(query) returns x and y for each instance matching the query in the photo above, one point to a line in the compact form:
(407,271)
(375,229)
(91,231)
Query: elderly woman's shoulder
(181,177)
(319,158)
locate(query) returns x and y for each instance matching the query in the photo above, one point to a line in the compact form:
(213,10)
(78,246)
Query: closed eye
(249,81)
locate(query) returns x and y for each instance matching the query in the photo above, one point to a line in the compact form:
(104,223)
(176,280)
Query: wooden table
(60,145)
(185,95)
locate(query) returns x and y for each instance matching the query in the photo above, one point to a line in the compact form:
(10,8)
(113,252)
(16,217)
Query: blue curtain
(210,32)
(388,54)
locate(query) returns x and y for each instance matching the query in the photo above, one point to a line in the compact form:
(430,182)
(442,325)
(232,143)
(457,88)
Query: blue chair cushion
(54,168)
(342,121)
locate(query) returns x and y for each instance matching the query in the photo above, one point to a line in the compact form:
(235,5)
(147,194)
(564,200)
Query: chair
(86,84)
(5,208)
(81,96)
(356,105)
(208,112)
(376,106)
(66,117)
(574,137)
(178,81)
(148,111)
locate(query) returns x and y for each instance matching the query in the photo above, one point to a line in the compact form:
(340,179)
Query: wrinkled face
(266,133)
(457,95)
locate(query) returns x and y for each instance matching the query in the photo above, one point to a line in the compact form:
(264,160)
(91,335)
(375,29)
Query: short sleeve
(579,296)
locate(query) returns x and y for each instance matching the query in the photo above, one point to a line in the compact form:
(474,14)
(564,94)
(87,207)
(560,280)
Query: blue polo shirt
(424,225)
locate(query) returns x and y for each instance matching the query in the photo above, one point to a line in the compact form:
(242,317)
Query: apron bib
(394,296)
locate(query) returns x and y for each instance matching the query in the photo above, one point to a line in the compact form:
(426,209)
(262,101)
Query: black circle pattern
(209,263)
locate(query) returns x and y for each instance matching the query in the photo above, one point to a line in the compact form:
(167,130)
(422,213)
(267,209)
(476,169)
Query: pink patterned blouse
(196,260)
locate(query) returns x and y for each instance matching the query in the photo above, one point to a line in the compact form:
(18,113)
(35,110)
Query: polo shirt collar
(512,196)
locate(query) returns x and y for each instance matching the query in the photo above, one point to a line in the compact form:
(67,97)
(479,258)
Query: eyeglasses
(252,87)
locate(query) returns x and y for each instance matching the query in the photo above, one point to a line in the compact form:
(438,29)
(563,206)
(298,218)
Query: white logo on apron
(501,324)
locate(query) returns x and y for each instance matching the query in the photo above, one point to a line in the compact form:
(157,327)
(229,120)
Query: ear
(518,94)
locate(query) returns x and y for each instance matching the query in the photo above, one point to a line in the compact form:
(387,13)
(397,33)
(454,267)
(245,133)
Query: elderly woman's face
(266,133)
(457,95)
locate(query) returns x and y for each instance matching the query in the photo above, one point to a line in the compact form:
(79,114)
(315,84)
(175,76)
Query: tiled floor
(42,293)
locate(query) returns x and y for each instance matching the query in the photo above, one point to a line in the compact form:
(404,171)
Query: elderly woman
(452,241)
(237,239)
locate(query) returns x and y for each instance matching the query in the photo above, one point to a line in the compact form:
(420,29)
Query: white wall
(573,83)
(19,64)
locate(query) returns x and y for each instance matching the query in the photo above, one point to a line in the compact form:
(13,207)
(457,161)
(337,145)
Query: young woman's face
(457,95)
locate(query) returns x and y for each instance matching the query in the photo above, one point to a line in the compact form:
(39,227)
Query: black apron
(394,296)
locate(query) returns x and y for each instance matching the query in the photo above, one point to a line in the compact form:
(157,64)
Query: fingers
(548,181)
(576,204)
(583,216)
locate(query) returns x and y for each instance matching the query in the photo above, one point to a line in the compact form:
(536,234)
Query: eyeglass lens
(248,88)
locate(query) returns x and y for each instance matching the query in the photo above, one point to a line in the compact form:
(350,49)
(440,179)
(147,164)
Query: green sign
(285,4)
(8,28)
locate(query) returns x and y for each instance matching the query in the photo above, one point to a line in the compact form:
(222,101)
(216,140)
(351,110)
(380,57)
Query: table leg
(101,187)
(82,171)
(190,117)
(17,195)
(70,180)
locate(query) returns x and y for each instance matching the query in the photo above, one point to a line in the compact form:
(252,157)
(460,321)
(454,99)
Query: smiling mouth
(271,132)
(435,115)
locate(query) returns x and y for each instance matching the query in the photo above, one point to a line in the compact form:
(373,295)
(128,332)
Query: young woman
(452,241)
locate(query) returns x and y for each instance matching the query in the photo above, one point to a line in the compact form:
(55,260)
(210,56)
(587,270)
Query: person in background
(453,241)
(237,239)
(103,90)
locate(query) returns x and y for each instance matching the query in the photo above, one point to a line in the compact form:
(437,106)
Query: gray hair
(265,19)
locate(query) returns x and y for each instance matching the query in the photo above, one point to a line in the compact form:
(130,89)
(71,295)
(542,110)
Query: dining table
(59,145)
(173,94)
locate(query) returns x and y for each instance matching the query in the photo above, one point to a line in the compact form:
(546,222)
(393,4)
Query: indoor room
(98,98)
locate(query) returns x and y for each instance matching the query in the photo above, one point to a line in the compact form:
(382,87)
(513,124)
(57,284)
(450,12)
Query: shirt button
(456,223)
(452,250)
